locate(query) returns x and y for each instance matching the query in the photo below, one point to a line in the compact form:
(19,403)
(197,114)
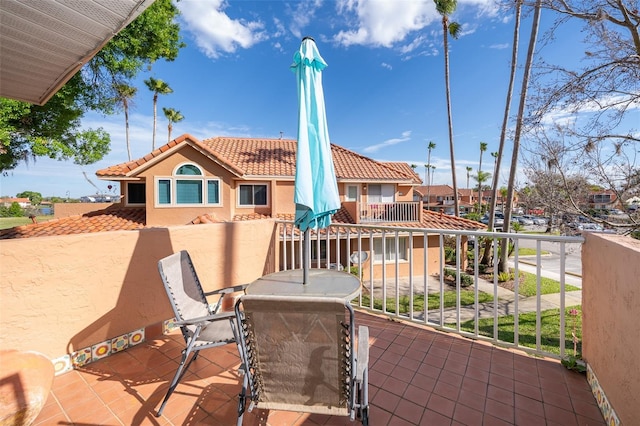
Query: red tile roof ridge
(109,219)
(128,166)
(379,163)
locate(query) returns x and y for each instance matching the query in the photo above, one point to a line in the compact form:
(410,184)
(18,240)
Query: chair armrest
(227,290)
(362,360)
(206,319)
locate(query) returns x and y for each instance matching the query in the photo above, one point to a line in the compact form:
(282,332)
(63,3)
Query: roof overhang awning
(43,43)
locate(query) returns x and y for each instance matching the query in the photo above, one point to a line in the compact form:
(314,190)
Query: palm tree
(446,8)
(483,148)
(158,87)
(173,116)
(505,123)
(125,94)
(430,147)
(469,169)
(481,178)
(518,130)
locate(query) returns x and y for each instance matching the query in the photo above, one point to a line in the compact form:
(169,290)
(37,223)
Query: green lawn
(549,329)
(524,251)
(10,222)
(547,285)
(466,298)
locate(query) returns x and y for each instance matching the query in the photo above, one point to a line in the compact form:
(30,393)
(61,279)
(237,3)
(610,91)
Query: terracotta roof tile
(271,158)
(110,219)
(436,190)
(404,168)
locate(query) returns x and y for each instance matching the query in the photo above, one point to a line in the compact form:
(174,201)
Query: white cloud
(214,31)
(386,65)
(406,135)
(500,46)
(383,23)
(302,15)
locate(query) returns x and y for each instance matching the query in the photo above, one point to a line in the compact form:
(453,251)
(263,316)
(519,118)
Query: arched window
(187,187)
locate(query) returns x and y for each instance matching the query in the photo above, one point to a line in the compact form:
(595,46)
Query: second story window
(252,195)
(187,186)
(351,193)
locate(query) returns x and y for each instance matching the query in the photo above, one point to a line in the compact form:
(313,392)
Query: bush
(505,276)
(449,254)
(465,279)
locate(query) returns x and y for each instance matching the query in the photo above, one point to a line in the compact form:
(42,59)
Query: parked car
(540,221)
(590,227)
(498,219)
(525,220)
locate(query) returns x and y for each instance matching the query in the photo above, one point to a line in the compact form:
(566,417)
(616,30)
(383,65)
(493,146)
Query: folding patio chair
(201,324)
(298,355)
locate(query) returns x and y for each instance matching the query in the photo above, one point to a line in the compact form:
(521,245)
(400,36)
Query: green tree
(15,210)
(469,170)
(125,94)
(34,197)
(158,87)
(53,130)
(445,8)
(481,177)
(173,116)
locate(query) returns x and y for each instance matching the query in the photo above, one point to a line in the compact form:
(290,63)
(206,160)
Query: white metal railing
(403,211)
(397,271)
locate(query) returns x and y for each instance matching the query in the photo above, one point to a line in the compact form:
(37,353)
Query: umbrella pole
(306,256)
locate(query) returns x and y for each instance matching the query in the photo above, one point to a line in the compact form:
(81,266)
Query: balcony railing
(406,211)
(396,272)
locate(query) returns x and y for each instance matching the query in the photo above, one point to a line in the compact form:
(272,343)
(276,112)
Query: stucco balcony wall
(611,308)
(59,294)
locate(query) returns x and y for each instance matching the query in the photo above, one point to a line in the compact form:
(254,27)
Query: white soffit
(43,43)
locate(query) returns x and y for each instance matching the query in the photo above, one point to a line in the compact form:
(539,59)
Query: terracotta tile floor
(418,376)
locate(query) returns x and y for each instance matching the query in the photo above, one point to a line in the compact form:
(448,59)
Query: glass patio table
(322,283)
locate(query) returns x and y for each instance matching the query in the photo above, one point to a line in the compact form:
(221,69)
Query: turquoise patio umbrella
(316,189)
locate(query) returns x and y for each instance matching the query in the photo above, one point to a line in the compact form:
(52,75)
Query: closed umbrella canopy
(316,190)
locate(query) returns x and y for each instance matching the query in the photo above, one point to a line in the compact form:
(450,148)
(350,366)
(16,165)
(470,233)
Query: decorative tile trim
(119,343)
(100,350)
(84,356)
(62,365)
(610,416)
(168,326)
(81,357)
(136,337)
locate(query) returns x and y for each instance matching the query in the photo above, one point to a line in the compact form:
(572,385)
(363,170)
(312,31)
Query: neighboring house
(439,198)
(603,200)
(189,181)
(22,202)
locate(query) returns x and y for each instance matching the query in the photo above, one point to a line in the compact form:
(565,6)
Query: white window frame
(173,188)
(347,197)
(387,193)
(253,184)
(390,249)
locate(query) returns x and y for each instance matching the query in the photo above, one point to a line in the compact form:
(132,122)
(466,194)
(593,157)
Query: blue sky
(384,86)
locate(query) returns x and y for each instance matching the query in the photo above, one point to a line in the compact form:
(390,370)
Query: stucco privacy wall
(61,210)
(611,308)
(59,294)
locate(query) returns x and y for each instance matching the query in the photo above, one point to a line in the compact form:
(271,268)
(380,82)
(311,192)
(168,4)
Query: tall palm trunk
(503,133)
(445,26)
(125,104)
(155,120)
(518,131)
